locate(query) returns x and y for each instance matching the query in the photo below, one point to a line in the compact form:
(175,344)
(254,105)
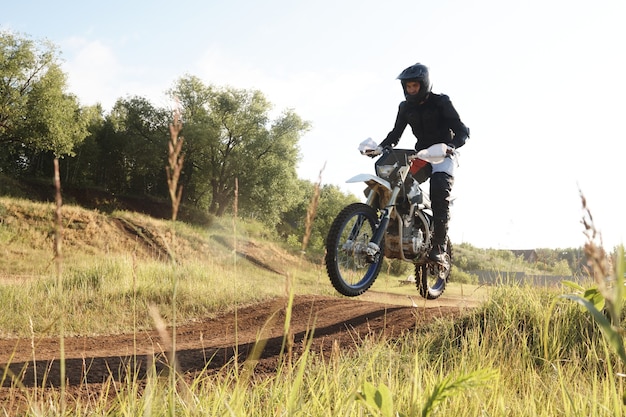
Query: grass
(524,351)
(106,270)
(490,362)
(109,289)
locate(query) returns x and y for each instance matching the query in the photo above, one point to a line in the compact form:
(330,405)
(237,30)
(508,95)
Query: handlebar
(434,154)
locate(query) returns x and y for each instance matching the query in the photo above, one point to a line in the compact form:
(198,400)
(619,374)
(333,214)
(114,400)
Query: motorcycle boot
(440,231)
(440,192)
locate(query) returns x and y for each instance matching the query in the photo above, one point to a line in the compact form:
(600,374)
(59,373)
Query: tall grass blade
(299,377)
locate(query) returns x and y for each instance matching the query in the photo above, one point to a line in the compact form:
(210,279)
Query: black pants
(440,191)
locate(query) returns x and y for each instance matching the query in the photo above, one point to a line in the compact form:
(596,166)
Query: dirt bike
(395,222)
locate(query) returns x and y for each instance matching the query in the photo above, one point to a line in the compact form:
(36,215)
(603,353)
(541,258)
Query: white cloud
(97,74)
(92,69)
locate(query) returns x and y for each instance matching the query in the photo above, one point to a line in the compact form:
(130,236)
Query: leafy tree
(37,116)
(331,201)
(268,179)
(193,97)
(82,169)
(566,261)
(230,136)
(126,151)
(145,131)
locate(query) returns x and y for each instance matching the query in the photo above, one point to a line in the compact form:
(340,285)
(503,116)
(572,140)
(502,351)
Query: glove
(373,152)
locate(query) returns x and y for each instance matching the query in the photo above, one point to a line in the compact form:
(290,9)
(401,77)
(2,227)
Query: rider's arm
(394,136)
(453,121)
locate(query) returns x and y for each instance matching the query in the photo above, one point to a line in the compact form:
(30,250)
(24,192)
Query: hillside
(27,237)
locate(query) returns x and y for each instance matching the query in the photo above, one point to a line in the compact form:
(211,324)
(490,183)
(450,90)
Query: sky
(540,84)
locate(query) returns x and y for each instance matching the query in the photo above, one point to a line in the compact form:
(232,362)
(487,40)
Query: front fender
(369,179)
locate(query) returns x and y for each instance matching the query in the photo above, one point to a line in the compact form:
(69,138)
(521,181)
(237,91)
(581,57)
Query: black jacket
(434,121)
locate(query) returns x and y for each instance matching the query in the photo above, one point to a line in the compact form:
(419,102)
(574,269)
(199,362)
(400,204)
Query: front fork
(373,247)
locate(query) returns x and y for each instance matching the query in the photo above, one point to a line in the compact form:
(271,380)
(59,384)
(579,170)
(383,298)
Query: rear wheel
(353,268)
(431,278)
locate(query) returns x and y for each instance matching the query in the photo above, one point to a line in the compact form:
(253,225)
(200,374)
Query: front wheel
(431,278)
(350,264)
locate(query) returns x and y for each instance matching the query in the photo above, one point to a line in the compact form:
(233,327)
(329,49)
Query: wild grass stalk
(172,366)
(235,300)
(58,235)
(312,210)
(604,301)
(175,158)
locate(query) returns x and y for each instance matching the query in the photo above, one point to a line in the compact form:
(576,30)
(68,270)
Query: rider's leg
(440,191)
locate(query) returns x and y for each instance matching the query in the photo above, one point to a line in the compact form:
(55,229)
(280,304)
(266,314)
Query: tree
(130,147)
(82,169)
(229,135)
(37,115)
(331,201)
(268,179)
(193,97)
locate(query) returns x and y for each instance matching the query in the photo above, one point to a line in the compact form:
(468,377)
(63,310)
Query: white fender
(366,178)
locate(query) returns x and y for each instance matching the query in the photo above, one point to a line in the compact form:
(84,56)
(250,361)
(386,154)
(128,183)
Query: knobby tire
(431,278)
(351,272)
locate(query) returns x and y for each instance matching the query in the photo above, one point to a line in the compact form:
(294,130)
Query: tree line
(233,148)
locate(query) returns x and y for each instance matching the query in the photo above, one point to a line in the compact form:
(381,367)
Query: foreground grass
(491,361)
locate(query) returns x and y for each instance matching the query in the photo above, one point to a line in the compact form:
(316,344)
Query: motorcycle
(395,222)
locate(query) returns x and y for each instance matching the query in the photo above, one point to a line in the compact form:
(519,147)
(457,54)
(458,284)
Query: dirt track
(336,321)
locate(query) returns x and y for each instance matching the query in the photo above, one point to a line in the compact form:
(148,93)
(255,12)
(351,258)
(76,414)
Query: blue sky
(540,84)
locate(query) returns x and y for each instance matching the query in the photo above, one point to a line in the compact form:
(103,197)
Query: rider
(433,119)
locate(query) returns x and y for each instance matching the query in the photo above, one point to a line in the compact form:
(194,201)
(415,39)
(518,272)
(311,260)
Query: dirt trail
(211,343)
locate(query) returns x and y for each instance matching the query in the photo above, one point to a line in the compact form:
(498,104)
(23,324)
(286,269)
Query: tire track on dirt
(213,343)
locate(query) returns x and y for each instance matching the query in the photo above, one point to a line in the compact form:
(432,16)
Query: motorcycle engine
(404,238)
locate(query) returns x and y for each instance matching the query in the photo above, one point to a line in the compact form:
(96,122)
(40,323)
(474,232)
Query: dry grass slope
(26,233)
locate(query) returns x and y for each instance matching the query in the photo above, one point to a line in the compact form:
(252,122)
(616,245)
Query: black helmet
(418,73)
